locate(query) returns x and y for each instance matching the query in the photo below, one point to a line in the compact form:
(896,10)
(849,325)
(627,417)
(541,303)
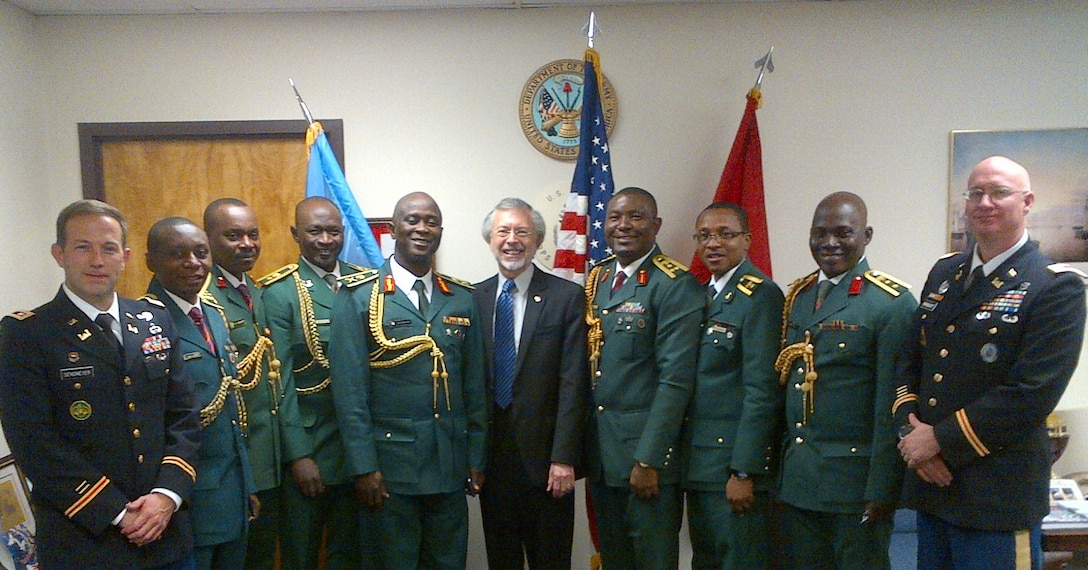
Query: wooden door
(150,177)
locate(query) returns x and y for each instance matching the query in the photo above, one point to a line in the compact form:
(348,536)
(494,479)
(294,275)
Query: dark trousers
(723,540)
(836,541)
(264,532)
(306,520)
(521,520)
(942,546)
(423,531)
(638,533)
(223,556)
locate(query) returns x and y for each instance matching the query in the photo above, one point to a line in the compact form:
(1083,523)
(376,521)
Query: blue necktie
(506,354)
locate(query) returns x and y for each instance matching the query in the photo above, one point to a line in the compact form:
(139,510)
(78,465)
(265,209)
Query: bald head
(998,200)
(839,233)
(319,231)
(417,231)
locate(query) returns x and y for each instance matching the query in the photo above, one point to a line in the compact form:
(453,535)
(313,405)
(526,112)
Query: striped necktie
(506,354)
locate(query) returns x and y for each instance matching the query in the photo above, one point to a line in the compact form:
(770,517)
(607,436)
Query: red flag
(742,184)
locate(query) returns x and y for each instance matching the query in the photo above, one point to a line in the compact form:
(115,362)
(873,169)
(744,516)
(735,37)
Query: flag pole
(306,110)
(591,28)
(764,63)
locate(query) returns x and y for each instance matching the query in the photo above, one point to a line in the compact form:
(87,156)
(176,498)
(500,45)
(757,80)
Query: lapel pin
(86,334)
(536,299)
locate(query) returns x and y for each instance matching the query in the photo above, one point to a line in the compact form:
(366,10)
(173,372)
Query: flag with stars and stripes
(581,233)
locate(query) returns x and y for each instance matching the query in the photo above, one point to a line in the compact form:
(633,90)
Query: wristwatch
(643,465)
(742,476)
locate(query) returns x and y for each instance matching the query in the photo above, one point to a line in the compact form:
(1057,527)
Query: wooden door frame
(93,135)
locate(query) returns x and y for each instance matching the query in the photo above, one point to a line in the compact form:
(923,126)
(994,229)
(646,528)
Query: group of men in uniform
(220,418)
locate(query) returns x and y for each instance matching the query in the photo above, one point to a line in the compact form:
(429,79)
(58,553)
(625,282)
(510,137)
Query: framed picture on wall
(16,520)
(382,228)
(1055,160)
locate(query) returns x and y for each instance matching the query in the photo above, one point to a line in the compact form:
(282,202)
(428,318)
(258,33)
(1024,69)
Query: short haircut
(220,203)
(539,227)
(636,191)
(88,208)
(156,234)
(742,216)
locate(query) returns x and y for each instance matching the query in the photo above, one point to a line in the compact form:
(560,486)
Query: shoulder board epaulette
(356,268)
(455,280)
(22,315)
(604,261)
(947,255)
(277,274)
(207,298)
(891,285)
(669,266)
(358,278)
(748,284)
(1066,268)
(151,298)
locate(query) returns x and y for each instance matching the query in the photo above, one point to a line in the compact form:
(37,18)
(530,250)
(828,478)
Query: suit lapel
(538,289)
(131,331)
(438,299)
(320,293)
(836,301)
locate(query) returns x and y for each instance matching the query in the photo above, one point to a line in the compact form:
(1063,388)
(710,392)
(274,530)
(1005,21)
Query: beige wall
(863,99)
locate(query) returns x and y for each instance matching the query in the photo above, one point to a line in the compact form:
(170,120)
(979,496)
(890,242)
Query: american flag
(581,233)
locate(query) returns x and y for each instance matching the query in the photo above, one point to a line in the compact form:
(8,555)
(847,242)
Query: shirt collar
(630,269)
(182,304)
(405,279)
(90,310)
(234,281)
(321,272)
(990,266)
(521,282)
(719,284)
(838,278)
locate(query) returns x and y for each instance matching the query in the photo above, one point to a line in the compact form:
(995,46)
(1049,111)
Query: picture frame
(382,228)
(17,528)
(1054,159)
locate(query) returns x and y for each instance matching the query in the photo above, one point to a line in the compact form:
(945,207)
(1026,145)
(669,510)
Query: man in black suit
(99,411)
(535,335)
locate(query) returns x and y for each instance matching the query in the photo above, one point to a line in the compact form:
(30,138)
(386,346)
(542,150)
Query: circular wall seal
(550,108)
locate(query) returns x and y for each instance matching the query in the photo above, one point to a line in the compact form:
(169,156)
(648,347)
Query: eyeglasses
(996,193)
(703,237)
(520,233)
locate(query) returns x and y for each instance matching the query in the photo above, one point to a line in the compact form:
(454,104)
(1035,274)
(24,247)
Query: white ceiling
(70,7)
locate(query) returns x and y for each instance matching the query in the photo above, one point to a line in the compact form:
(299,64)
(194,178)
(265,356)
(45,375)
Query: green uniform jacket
(733,414)
(646,369)
(220,506)
(422,433)
(840,453)
(262,400)
(308,420)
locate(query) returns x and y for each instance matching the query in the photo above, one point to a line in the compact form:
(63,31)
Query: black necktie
(977,276)
(105,322)
(421,291)
(711,292)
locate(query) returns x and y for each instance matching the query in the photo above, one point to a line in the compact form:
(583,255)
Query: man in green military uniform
(729,434)
(224,497)
(235,242)
(843,326)
(408,362)
(298,300)
(644,319)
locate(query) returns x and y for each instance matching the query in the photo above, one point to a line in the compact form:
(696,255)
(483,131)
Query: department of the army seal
(550,108)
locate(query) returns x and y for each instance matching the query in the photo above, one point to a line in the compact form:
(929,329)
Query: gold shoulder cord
(252,366)
(310,334)
(413,346)
(803,350)
(596,334)
(215,407)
